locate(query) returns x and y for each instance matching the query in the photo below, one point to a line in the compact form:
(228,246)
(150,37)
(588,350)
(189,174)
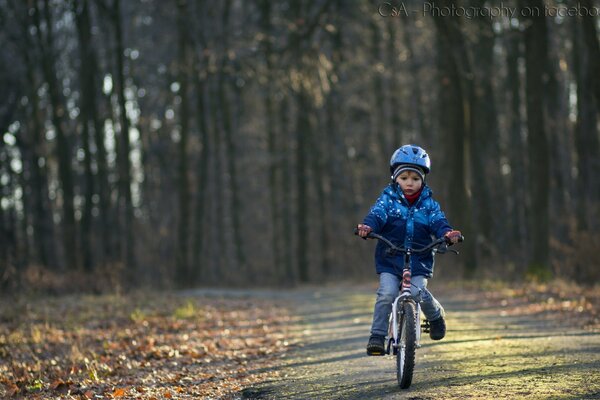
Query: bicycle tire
(407,343)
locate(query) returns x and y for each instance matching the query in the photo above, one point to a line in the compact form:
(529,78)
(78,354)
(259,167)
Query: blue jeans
(389,287)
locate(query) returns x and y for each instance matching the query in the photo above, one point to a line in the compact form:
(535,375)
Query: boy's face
(410,182)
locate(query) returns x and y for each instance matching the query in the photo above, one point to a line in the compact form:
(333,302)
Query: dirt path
(491,351)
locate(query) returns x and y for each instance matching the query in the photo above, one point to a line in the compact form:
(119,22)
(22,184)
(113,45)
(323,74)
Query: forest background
(196,143)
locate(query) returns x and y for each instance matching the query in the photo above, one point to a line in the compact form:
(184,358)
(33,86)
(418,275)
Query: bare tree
(457,96)
(125,207)
(590,36)
(586,129)
(227,129)
(536,59)
(272,145)
(516,152)
(183,70)
(90,89)
(63,146)
(199,81)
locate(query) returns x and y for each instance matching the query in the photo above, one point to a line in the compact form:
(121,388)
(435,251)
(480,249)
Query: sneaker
(376,346)
(437,328)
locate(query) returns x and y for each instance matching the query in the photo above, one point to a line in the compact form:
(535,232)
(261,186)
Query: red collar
(411,198)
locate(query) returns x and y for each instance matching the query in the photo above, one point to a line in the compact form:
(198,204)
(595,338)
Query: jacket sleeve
(438,223)
(377,217)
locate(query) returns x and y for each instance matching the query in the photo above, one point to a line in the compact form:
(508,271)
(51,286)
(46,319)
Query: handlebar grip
(461,238)
(369,236)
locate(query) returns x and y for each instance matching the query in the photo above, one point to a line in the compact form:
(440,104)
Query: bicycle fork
(394,331)
(405,295)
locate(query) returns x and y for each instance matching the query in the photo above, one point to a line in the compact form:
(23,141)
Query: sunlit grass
(187,311)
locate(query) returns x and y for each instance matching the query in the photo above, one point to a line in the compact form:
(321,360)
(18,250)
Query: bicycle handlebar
(395,248)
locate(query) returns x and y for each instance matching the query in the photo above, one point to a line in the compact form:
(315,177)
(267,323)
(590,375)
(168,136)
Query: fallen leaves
(145,346)
(118,393)
(561,302)
(12,389)
(60,385)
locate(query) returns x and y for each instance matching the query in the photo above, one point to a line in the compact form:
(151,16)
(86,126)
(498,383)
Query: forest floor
(143,346)
(531,341)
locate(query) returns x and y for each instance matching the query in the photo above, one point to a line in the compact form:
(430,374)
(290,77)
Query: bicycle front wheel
(407,343)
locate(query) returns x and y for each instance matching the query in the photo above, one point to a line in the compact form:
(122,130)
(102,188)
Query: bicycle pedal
(425,326)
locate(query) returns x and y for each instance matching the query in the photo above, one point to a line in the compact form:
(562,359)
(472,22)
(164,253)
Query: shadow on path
(484,356)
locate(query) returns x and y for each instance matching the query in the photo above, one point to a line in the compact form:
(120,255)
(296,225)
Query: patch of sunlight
(138,316)
(186,311)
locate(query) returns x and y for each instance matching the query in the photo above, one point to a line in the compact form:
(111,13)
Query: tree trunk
(317,164)
(125,200)
(63,148)
(8,243)
(302,133)
(517,202)
(484,147)
(11,244)
(4,247)
(421,129)
(90,90)
(238,206)
(43,224)
(109,209)
(286,189)
(378,115)
(586,131)
(24,215)
(590,35)
(335,151)
(557,115)
(224,103)
(183,273)
(202,169)
(219,249)
(274,156)
(86,78)
(536,59)
(396,120)
(457,94)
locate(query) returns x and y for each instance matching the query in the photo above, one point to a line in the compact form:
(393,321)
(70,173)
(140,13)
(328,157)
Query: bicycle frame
(394,332)
(405,333)
(405,289)
(404,295)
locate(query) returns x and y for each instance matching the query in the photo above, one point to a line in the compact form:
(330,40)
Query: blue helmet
(411,155)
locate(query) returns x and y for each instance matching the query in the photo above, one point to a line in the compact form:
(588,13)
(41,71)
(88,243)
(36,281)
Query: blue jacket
(406,225)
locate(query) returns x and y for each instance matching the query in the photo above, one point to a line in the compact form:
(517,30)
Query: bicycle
(404,337)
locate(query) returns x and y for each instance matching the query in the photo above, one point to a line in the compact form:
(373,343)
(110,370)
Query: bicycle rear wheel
(405,357)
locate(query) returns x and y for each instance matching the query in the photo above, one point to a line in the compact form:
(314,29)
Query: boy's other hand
(452,236)
(364,230)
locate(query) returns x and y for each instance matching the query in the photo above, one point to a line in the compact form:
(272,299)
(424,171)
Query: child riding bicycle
(406,214)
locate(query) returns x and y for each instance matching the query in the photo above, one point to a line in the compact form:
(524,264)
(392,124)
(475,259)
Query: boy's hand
(452,236)
(364,230)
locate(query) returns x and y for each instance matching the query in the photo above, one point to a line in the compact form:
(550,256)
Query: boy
(406,214)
